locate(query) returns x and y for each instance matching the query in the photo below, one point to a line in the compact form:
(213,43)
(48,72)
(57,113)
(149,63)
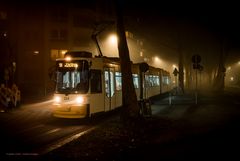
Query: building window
(59,15)
(63,34)
(58,34)
(54,34)
(140,42)
(3,15)
(56,53)
(77,22)
(82,21)
(129,34)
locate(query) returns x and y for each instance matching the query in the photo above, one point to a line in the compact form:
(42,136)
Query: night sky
(161,23)
(197,23)
(221,16)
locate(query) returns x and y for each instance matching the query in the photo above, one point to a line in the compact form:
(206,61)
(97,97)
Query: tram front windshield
(72,77)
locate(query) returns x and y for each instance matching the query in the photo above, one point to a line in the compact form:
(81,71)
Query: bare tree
(220,75)
(130,105)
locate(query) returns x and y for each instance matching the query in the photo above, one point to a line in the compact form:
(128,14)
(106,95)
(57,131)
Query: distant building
(136,47)
(34,35)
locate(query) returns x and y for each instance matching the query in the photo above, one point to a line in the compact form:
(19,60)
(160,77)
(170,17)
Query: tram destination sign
(67,65)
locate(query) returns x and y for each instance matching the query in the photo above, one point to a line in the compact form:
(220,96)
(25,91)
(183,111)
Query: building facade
(34,35)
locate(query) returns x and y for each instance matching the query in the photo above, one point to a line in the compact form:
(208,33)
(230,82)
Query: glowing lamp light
(35,52)
(145,59)
(156,58)
(231,79)
(113,39)
(79,100)
(57,99)
(68,58)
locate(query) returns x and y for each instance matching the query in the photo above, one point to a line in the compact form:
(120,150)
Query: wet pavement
(207,130)
(184,130)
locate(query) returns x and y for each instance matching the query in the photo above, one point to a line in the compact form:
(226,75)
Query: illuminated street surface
(31,127)
(207,130)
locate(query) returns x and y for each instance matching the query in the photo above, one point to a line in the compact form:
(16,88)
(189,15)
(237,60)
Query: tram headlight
(79,100)
(57,99)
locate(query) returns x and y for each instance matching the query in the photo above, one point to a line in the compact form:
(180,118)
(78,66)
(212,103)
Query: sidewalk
(26,100)
(35,99)
(209,129)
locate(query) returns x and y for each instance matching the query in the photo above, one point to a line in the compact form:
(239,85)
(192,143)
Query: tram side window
(155,80)
(151,80)
(135,80)
(166,80)
(118,78)
(109,84)
(147,81)
(96,81)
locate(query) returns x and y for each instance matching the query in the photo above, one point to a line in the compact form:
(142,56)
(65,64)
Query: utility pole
(196,59)
(180,68)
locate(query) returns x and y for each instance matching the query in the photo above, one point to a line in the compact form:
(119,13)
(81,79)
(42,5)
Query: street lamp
(156,59)
(175,73)
(113,40)
(110,46)
(174,66)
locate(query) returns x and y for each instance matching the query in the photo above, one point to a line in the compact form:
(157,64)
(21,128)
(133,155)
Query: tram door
(110,100)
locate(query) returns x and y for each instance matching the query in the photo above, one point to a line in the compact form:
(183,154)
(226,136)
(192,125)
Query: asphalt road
(31,127)
(209,128)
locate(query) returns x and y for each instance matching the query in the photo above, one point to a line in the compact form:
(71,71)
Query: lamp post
(175,73)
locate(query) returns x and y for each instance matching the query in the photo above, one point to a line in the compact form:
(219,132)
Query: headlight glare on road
(57,99)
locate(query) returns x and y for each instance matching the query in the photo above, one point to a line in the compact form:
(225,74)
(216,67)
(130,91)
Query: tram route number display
(67,65)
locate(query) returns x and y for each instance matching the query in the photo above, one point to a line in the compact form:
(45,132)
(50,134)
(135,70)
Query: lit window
(56,53)
(155,80)
(118,78)
(109,84)
(166,80)
(135,81)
